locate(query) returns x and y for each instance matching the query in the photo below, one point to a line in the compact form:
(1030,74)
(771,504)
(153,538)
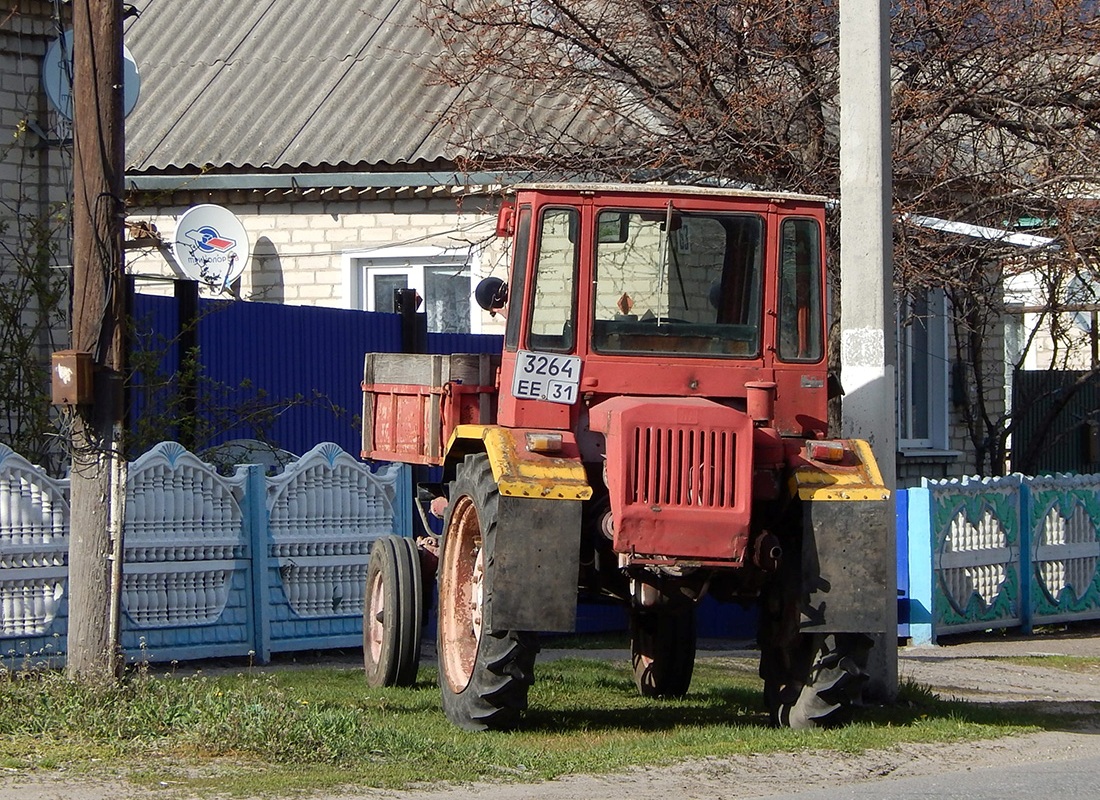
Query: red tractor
(654,431)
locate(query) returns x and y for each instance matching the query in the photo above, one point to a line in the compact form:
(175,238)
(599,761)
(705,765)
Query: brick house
(328,147)
(35,187)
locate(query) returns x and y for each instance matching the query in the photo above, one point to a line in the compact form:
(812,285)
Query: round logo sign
(211,245)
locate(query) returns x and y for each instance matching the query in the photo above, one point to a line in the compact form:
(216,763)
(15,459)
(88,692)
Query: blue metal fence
(295,370)
(445,343)
(291,375)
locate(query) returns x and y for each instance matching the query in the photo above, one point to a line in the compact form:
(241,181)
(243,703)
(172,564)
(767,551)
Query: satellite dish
(1081,292)
(211,245)
(57,76)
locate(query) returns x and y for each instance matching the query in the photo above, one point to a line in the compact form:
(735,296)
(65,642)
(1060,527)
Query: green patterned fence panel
(976,553)
(1063,521)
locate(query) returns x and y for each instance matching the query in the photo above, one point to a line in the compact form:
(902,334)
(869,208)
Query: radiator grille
(683,467)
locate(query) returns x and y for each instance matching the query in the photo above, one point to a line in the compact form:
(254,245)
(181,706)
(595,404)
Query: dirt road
(975,669)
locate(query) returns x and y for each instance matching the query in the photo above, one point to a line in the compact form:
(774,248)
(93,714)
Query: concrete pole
(868,361)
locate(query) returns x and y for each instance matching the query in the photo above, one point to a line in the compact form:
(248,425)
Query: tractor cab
(662,291)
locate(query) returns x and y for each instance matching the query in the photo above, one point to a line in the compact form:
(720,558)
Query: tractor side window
(554,295)
(800,318)
(519,276)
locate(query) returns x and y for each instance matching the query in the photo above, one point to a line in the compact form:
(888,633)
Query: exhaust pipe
(767,552)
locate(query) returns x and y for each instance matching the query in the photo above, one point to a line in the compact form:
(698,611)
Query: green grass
(586,641)
(1068,663)
(318,728)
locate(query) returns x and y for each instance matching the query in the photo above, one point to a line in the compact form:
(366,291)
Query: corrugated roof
(285,83)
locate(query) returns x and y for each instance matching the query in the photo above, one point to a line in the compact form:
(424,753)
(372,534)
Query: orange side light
(544,442)
(826,451)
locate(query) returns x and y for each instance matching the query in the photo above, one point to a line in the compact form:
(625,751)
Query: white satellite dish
(57,76)
(211,245)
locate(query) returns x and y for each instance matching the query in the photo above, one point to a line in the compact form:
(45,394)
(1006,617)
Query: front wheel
(819,682)
(811,680)
(662,649)
(484,675)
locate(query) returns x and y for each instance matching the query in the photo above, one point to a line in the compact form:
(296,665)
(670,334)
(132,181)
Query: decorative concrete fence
(1002,552)
(214,565)
(34,552)
(254,564)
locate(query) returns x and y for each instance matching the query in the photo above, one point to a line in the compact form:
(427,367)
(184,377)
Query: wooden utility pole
(98,320)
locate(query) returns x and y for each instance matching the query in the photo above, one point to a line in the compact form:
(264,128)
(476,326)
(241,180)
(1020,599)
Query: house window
(442,277)
(922,372)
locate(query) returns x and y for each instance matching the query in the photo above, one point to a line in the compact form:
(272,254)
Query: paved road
(1064,779)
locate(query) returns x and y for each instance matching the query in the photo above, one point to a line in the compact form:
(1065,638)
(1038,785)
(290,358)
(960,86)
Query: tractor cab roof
(665,189)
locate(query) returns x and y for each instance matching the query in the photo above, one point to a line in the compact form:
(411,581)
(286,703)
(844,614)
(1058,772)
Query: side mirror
(491,294)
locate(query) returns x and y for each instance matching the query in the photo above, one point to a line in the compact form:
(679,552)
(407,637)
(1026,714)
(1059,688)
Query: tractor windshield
(677,282)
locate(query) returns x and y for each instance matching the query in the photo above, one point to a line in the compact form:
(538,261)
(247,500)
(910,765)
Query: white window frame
(933,391)
(361,267)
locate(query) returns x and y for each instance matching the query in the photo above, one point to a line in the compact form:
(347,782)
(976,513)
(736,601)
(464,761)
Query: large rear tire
(662,649)
(392,613)
(484,674)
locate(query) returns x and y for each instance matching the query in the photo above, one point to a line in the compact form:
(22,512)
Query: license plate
(546,376)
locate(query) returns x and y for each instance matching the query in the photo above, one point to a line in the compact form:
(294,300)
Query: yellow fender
(854,476)
(518,471)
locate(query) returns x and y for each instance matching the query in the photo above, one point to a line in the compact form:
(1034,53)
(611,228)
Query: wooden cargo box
(412,402)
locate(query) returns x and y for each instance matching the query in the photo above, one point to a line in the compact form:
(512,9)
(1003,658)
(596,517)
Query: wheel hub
(461,595)
(375,627)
